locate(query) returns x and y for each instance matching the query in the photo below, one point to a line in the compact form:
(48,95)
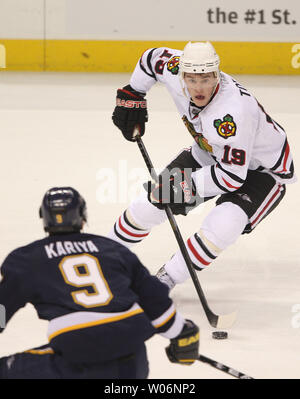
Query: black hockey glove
(130,112)
(184,349)
(175,188)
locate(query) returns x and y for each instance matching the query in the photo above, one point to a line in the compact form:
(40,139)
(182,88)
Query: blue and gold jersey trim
(170,323)
(46,351)
(80,320)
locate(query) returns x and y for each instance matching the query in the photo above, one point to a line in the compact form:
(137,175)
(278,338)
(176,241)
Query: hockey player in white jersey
(240,154)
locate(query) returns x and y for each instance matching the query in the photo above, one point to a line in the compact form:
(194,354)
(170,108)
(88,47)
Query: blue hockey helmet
(63,210)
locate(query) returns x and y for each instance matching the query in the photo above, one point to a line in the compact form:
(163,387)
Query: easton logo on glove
(188,341)
(131,103)
(173,187)
(184,349)
(130,112)
(186,191)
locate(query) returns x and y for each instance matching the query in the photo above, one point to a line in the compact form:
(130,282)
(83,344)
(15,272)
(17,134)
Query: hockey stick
(226,369)
(218,321)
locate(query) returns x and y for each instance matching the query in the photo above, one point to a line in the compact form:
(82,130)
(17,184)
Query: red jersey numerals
(234,156)
(159,66)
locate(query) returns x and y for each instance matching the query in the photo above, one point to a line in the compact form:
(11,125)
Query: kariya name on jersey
(63,248)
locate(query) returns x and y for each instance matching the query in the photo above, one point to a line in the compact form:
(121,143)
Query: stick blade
(226,320)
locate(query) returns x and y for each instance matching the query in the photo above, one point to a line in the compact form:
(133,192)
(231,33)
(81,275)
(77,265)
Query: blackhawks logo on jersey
(198,137)
(173,65)
(226,127)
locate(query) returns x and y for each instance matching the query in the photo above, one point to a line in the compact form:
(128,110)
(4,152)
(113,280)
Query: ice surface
(56,129)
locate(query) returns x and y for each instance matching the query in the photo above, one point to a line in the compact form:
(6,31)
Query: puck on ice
(220,335)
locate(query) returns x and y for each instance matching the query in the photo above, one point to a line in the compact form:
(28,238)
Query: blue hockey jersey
(101,302)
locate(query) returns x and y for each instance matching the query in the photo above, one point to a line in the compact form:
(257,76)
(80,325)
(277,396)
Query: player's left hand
(184,349)
(175,189)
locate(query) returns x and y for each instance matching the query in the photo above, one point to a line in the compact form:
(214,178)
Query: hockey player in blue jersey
(101,303)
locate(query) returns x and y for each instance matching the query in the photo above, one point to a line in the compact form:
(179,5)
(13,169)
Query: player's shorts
(43,363)
(258,196)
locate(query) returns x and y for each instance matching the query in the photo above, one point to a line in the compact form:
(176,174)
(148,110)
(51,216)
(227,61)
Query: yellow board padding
(121,56)
(24,55)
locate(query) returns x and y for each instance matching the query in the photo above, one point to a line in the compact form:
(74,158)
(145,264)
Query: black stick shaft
(225,369)
(212,318)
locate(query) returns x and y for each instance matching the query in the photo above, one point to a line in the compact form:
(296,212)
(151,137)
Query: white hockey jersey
(232,133)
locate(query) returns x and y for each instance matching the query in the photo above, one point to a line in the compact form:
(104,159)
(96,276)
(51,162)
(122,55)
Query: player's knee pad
(143,214)
(223,225)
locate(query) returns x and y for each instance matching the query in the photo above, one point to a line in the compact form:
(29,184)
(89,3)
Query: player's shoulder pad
(229,116)
(25,249)
(169,59)
(15,260)
(108,242)
(158,60)
(237,96)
